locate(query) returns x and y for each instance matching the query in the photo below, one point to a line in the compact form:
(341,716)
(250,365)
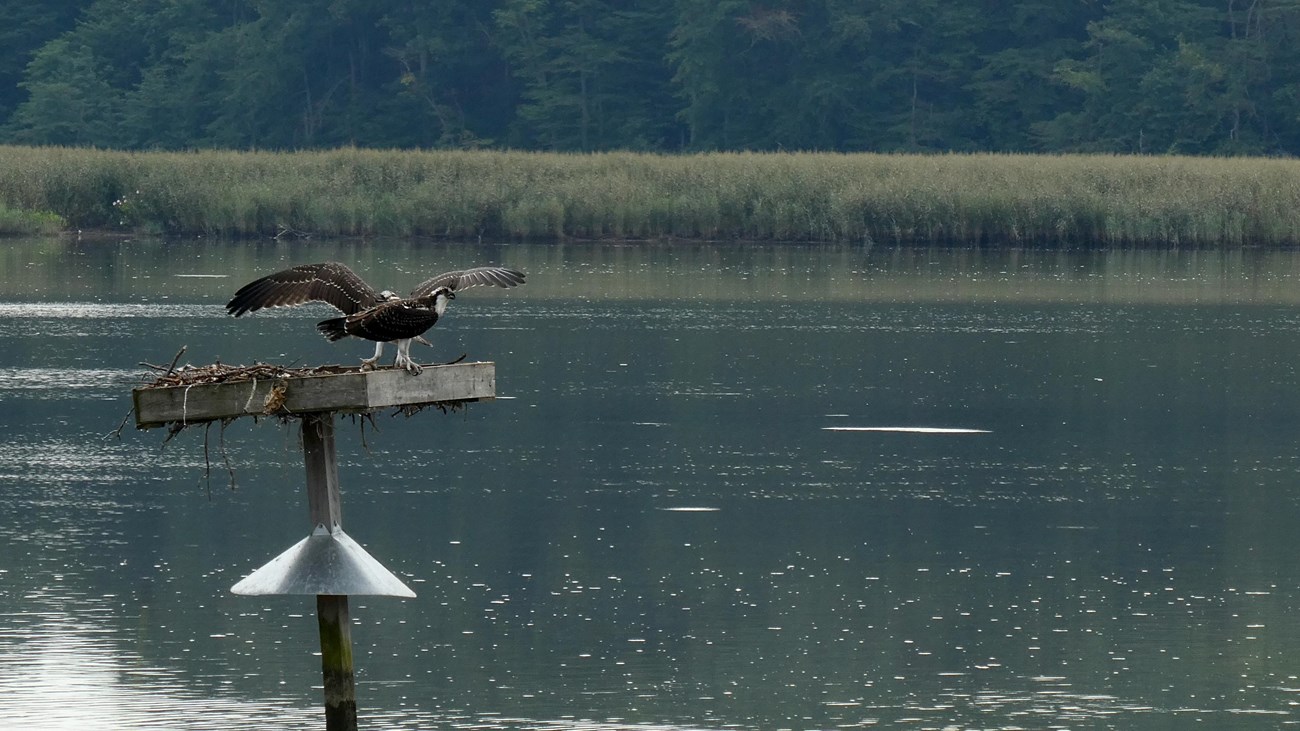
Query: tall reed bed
(28,223)
(1074,200)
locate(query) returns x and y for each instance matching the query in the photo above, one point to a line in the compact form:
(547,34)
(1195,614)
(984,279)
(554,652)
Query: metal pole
(325,507)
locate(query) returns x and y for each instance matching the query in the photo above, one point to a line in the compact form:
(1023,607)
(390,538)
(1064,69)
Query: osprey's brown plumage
(379,316)
(395,319)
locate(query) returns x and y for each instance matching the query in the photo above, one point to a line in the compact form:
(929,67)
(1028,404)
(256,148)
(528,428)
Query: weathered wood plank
(347,392)
(458,382)
(324,499)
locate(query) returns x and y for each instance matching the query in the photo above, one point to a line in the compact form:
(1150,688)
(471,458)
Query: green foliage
(592,74)
(1025,200)
(71,103)
(24,28)
(28,223)
(1127,76)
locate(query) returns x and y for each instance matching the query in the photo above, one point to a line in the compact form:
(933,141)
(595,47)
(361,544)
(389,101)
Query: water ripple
(105,311)
(99,382)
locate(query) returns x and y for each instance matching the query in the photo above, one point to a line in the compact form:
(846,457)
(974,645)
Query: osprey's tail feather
(333,329)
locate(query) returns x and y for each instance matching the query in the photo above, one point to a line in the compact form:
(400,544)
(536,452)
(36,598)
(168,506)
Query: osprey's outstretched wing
(329,282)
(466,278)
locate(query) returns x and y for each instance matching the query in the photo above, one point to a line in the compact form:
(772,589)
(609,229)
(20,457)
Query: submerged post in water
(336,662)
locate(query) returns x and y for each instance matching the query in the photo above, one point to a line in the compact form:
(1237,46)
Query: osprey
(382,317)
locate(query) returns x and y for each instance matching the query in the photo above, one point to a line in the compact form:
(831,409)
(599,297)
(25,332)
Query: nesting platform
(306,391)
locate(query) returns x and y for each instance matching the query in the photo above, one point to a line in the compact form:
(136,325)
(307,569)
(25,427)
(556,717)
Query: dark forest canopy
(1127,76)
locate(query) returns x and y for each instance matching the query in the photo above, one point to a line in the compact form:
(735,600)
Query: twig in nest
(443,406)
(225,455)
(362,418)
(118,431)
(172,367)
(169,369)
(174,428)
(207,463)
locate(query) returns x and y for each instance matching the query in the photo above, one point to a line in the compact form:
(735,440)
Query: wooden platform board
(343,392)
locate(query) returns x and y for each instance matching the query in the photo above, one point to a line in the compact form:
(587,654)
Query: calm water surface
(672,520)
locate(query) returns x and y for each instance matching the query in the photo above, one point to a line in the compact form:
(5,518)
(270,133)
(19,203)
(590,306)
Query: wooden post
(325,507)
(336,662)
(324,501)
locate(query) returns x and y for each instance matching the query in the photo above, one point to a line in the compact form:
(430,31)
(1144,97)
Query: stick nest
(171,376)
(185,376)
(189,375)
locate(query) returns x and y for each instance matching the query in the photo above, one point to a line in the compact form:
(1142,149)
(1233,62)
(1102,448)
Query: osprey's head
(441,296)
(389,295)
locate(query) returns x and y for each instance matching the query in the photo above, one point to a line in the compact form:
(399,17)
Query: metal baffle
(326,562)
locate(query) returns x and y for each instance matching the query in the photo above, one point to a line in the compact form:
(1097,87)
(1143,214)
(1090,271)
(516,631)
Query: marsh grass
(28,223)
(1022,200)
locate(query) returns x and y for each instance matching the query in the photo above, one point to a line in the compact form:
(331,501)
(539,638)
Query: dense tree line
(1149,76)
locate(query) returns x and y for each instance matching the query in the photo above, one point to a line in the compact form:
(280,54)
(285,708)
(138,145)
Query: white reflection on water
(66,463)
(908,429)
(107,383)
(577,725)
(104,311)
(61,672)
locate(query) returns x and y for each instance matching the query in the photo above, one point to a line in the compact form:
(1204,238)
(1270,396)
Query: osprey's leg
(404,357)
(368,364)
